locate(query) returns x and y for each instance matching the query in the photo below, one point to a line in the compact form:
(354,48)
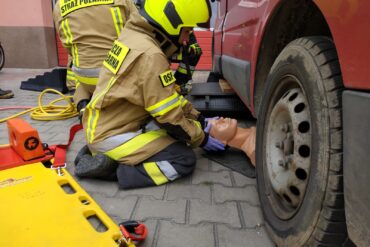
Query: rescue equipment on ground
(52,111)
(45,206)
(55,79)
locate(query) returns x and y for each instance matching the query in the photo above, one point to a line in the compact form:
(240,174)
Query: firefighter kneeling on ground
(139,130)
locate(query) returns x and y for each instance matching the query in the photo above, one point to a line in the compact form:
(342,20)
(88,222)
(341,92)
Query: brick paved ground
(213,207)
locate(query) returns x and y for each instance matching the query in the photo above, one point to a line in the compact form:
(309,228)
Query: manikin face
(184,35)
(223,129)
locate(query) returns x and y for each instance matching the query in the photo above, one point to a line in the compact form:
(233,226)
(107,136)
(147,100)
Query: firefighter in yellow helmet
(88,29)
(138,128)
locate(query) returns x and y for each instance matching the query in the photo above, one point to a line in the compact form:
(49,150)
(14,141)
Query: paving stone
(252,215)
(184,180)
(241,180)
(203,164)
(98,186)
(181,191)
(226,213)
(198,153)
(175,235)
(152,226)
(229,237)
(215,167)
(204,177)
(224,194)
(119,207)
(158,209)
(156,192)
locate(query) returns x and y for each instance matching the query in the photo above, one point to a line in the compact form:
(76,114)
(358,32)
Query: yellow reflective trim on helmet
(87,80)
(155,173)
(116,56)
(67,7)
(117,19)
(135,144)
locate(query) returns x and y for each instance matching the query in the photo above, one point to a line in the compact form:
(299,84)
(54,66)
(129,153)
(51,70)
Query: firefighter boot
(6,94)
(84,150)
(99,166)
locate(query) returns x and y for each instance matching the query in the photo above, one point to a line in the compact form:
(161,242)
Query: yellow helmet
(172,15)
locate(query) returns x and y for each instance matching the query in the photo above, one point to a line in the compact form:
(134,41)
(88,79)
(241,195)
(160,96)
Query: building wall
(27,34)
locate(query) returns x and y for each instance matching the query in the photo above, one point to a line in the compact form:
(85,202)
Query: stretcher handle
(133,230)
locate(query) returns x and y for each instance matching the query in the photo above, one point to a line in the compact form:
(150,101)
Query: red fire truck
(302,68)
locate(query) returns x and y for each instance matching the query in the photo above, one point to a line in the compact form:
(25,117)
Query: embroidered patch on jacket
(116,56)
(67,6)
(167,78)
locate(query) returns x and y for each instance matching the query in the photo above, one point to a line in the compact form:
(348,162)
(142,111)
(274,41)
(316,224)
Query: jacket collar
(140,24)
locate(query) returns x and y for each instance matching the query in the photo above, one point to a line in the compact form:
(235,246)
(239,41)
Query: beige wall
(27,33)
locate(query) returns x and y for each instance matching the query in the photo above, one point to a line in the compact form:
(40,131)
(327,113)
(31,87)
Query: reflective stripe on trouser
(71,79)
(175,161)
(86,83)
(86,76)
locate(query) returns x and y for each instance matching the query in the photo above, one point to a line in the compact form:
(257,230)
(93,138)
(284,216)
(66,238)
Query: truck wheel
(299,146)
(2,57)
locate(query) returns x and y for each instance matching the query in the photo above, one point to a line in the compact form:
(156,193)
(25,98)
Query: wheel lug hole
(293,96)
(304,151)
(301,174)
(294,190)
(304,127)
(299,108)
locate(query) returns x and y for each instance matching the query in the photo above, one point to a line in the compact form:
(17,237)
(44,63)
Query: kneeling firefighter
(139,130)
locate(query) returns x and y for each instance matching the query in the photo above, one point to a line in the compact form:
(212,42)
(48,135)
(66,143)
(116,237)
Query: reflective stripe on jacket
(89,31)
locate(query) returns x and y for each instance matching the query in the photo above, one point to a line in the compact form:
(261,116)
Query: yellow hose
(50,111)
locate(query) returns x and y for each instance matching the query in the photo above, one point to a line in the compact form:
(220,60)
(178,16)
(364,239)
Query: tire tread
(331,227)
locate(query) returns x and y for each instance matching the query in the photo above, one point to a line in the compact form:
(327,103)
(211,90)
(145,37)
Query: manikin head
(223,129)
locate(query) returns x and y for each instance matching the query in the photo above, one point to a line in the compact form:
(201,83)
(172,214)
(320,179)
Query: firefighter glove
(213,145)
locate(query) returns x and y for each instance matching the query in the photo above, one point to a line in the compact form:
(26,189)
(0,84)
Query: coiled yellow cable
(50,111)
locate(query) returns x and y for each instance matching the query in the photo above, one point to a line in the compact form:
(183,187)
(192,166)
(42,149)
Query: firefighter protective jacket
(135,111)
(88,29)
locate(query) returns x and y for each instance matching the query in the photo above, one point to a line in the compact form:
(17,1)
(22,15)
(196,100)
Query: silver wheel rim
(288,149)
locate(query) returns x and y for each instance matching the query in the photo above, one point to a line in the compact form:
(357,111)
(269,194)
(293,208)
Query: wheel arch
(290,20)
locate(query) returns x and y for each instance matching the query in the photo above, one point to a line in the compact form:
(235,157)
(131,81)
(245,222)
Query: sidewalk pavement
(213,207)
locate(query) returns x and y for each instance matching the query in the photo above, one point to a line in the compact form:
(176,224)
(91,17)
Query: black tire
(299,146)
(2,57)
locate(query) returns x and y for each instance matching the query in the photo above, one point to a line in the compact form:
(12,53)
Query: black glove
(190,56)
(81,108)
